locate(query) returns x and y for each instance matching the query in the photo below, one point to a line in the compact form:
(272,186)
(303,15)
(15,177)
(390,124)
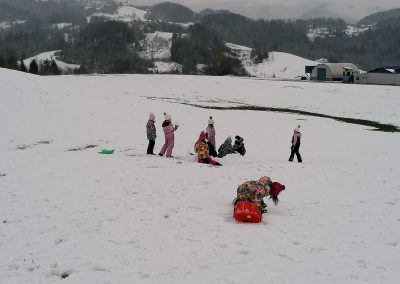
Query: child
(296,145)
(225,148)
(151,133)
(238,147)
(210,135)
(201,148)
(169,130)
(255,191)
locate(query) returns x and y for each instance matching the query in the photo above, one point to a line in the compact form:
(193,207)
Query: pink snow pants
(168,145)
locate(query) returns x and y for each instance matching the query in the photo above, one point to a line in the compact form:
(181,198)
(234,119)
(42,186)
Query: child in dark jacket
(225,148)
(238,147)
(295,145)
(151,133)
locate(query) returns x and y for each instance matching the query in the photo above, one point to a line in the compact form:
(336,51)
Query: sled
(106,151)
(247,212)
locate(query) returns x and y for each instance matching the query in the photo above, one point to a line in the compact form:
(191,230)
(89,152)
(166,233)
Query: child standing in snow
(296,145)
(201,148)
(210,135)
(169,130)
(255,191)
(151,133)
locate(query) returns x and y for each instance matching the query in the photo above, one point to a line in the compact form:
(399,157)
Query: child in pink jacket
(169,130)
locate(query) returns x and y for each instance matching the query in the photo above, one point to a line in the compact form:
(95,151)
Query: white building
(334,71)
(380,76)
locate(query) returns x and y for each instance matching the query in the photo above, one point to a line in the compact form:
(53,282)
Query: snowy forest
(101,45)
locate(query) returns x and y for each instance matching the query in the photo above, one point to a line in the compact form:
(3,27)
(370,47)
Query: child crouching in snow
(201,148)
(151,133)
(255,191)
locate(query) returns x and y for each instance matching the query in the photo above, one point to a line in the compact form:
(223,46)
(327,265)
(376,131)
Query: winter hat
(265,181)
(167,116)
(276,188)
(152,116)
(211,120)
(238,138)
(297,129)
(202,136)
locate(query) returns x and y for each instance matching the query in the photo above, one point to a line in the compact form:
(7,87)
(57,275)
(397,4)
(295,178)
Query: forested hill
(117,38)
(172,12)
(380,16)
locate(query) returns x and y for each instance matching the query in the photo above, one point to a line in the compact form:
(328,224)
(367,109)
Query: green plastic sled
(106,151)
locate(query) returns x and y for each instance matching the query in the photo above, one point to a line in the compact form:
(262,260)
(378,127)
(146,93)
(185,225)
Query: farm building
(334,72)
(380,76)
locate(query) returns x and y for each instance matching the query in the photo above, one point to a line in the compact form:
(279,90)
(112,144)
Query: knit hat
(238,138)
(202,136)
(167,116)
(276,188)
(211,120)
(265,181)
(297,129)
(152,116)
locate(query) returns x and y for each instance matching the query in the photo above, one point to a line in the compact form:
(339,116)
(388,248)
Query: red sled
(247,212)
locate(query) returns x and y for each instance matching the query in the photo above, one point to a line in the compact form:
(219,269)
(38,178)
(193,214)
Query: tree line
(45,67)
(103,46)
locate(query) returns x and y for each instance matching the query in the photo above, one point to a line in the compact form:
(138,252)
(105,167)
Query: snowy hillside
(124,14)
(157,45)
(279,64)
(71,215)
(50,55)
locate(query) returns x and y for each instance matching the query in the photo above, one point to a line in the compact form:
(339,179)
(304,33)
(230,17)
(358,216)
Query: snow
(130,218)
(7,24)
(355,31)
(50,55)
(157,45)
(279,64)
(124,14)
(61,26)
(183,25)
(166,67)
(323,32)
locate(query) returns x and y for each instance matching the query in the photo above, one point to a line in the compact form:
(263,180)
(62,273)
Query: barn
(380,76)
(334,71)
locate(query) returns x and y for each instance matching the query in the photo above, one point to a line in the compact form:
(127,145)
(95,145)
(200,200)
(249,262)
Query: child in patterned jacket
(151,133)
(203,154)
(255,191)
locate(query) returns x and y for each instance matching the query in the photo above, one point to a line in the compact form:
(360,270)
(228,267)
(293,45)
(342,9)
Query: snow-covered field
(71,215)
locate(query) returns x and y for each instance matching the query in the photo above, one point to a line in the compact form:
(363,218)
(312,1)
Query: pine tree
(22,67)
(33,67)
(54,70)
